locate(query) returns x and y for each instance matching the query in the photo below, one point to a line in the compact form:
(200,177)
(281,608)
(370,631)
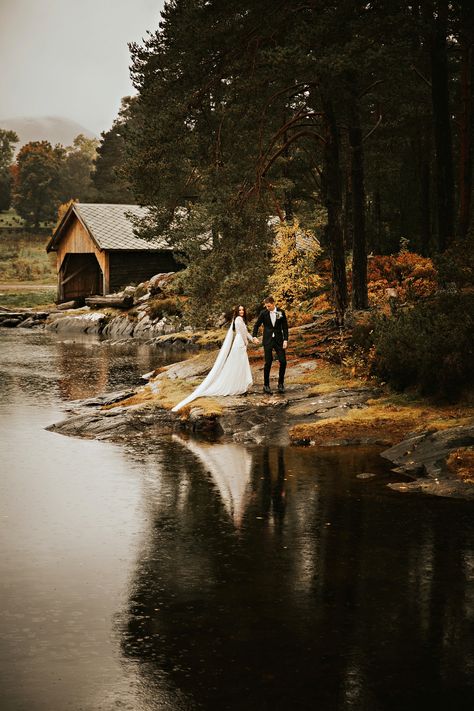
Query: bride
(230,374)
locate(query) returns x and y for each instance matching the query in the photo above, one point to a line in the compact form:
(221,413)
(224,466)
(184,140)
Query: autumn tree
(37,184)
(7,142)
(294,252)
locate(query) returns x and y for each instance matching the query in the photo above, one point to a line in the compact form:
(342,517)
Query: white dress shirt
(273,318)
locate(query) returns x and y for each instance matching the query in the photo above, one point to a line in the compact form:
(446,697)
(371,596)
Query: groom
(275,338)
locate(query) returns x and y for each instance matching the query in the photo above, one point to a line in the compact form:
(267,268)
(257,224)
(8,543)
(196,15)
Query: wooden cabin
(98,252)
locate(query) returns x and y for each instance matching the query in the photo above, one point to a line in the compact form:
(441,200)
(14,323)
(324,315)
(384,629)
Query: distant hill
(54,129)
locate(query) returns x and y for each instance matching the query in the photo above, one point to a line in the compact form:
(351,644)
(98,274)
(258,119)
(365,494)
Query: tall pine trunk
(466,117)
(442,124)
(422,149)
(425,205)
(360,298)
(333,200)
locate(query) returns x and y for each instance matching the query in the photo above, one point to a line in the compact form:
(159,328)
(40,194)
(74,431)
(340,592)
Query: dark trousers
(281,356)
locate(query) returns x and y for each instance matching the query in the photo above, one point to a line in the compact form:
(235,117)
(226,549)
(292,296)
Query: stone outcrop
(257,418)
(27,318)
(423,457)
(134,312)
(253,418)
(82,322)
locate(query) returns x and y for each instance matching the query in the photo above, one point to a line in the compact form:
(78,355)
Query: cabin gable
(98,252)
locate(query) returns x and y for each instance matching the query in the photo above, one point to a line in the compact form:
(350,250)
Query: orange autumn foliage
(413,276)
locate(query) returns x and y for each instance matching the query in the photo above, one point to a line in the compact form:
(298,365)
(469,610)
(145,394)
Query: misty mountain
(54,129)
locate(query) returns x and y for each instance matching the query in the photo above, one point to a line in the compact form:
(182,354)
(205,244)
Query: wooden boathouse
(97,251)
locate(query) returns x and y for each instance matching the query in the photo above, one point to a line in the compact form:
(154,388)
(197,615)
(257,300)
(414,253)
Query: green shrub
(157,308)
(430,346)
(456,265)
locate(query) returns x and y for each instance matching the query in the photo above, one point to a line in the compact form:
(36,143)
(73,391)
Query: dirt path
(25,286)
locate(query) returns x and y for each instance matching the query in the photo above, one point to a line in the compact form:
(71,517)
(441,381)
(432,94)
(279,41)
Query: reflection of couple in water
(230,467)
(231,374)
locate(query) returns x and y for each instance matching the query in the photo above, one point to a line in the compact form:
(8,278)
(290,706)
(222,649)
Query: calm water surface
(180,575)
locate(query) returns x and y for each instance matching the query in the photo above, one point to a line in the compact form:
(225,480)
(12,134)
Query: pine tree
(109,180)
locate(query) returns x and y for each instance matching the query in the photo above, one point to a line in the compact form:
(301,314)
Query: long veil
(229,465)
(213,373)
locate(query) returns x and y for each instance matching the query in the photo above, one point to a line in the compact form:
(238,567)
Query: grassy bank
(24,258)
(27,272)
(24,296)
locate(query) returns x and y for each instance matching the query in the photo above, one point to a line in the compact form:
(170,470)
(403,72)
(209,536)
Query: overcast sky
(70,58)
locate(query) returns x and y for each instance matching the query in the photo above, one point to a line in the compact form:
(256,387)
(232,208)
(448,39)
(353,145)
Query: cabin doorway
(80,276)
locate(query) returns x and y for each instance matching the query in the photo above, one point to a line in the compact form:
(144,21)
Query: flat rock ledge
(257,418)
(423,458)
(254,418)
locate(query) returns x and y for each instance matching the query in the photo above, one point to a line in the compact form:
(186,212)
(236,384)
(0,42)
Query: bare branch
(273,97)
(292,123)
(369,88)
(422,76)
(374,128)
(291,140)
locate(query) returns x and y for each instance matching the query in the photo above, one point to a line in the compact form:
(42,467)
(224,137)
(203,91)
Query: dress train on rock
(230,374)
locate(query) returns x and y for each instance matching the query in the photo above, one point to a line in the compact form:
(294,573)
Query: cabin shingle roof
(112,229)
(109,227)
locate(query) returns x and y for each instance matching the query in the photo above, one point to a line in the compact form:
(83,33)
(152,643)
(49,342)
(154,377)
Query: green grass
(27,299)
(24,258)
(10,218)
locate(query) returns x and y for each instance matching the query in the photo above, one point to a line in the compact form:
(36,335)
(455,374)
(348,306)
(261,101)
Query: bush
(157,308)
(456,265)
(413,276)
(429,346)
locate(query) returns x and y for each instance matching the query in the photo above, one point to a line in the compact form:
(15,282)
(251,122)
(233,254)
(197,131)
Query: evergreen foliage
(291,108)
(108,177)
(430,346)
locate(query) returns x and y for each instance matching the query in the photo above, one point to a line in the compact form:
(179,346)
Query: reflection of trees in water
(81,372)
(326,596)
(87,367)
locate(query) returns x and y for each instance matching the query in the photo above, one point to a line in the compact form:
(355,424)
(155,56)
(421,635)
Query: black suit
(273,337)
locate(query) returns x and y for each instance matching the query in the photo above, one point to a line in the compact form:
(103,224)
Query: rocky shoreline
(143,316)
(422,455)
(261,419)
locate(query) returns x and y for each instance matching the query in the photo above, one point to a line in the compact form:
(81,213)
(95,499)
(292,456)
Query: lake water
(175,574)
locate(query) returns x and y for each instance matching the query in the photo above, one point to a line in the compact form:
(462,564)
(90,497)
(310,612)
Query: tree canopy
(361,111)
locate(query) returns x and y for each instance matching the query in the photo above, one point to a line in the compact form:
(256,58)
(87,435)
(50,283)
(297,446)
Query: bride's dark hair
(235,313)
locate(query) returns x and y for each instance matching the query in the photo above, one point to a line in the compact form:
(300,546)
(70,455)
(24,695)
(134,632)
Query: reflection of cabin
(98,253)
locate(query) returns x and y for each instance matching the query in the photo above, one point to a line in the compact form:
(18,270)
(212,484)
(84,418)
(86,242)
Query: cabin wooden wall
(80,276)
(134,267)
(115,269)
(75,242)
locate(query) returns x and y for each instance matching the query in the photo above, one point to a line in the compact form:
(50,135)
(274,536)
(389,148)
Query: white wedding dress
(230,374)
